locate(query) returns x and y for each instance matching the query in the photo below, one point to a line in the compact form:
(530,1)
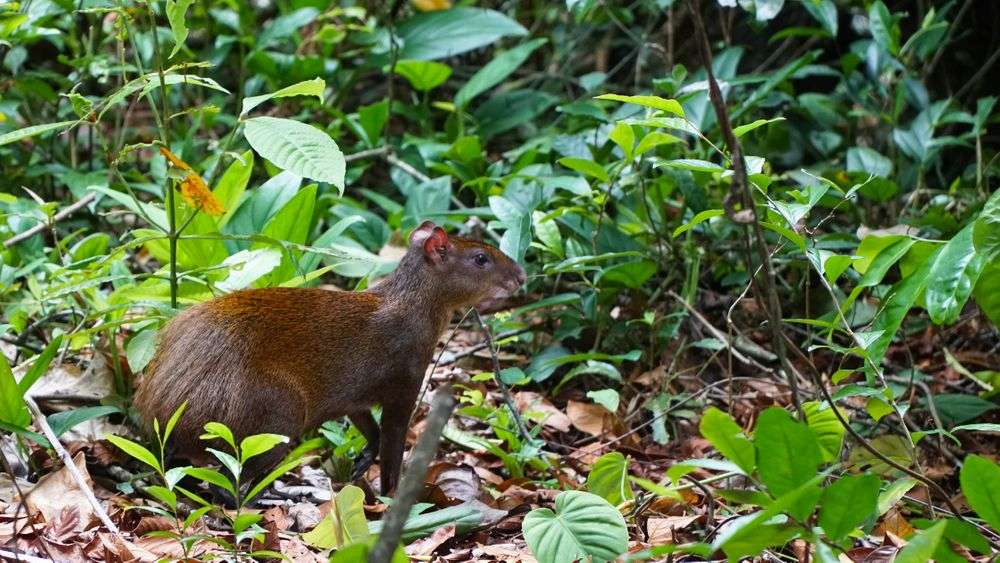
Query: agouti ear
(420,234)
(436,245)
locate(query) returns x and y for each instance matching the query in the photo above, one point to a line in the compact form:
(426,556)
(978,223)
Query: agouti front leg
(395,420)
(365,423)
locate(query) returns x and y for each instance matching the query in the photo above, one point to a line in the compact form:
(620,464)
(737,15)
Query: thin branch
(18,556)
(67,460)
(63,213)
(413,481)
(504,390)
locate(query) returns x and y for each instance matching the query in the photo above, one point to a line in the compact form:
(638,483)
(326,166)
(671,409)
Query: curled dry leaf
(661,530)
(527,402)
(458,483)
(58,491)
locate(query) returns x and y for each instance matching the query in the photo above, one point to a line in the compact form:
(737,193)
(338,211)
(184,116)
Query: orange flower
(431,5)
(193,188)
(197,195)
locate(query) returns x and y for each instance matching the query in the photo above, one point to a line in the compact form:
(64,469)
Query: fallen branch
(63,213)
(413,480)
(67,460)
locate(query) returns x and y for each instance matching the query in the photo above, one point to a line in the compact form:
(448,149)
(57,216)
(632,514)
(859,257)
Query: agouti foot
(362,463)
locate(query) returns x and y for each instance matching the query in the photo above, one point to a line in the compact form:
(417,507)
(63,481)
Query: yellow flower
(431,5)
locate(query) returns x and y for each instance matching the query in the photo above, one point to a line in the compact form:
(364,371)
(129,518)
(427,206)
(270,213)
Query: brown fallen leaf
(588,417)
(895,524)
(458,483)
(512,552)
(58,490)
(426,546)
(554,418)
(661,530)
(297,552)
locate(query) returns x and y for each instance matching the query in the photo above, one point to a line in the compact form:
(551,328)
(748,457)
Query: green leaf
(956,408)
(987,297)
(39,366)
(869,161)
(33,130)
(140,349)
(297,147)
(423,75)
(345,524)
(726,436)
(607,398)
(986,229)
(588,167)
(921,547)
(698,219)
(361,552)
(446,33)
(608,478)
(827,428)
(895,491)
(13,411)
(219,430)
(692,164)
(744,129)
(672,107)
(847,503)
(62,422)
(507,110)
(211,476)
(883,27)
(135,450)
(314,87)
(897,302)
(253,446)
(624,137)
(172,422)
(582,525)
(176,12)
(654,139)
(496,71)
(788,454)
(952,277)
(285,467)
(980,480)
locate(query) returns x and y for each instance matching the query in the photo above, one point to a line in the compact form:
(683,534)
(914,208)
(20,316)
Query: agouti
(284,360)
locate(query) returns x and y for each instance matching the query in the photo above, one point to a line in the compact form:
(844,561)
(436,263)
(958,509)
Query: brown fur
(285,360)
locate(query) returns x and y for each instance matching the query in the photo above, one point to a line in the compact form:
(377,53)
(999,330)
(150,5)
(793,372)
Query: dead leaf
(58,491)
(297,551)
(512,552)
(458,483)
(661,530)
(894,523)
(527,402)
(426,546)
(587,417)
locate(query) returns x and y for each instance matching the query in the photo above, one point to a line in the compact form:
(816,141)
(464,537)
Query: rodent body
(284,360)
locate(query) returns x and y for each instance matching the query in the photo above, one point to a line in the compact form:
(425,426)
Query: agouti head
(469,272)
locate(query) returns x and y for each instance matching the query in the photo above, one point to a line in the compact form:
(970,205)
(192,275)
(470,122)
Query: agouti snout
(285,360)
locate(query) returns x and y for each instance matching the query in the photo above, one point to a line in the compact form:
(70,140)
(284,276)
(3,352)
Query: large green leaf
(827,428)
(297,147)
(608,478)
(986,294)
(788,455)
(921,547)
(980,480)
(582,525)
(344,524)
(898,302)
(847,503)
(883,27)
(62,422)
(507,110)
(495,71)
(672,107)
(233,183)
(446,33)
(722,432)
(955,271)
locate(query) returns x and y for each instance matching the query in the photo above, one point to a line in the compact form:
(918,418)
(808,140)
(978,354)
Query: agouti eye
(481,259)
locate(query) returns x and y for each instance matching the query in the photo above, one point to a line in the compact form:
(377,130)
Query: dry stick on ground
(741,188)
(64,213)
(413,480)
(503,386)
(15,556)
(67,460)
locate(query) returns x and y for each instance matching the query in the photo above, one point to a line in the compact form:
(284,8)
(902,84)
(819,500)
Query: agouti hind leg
(365,423)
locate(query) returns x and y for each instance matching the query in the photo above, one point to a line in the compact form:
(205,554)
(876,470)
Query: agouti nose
(520,275)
